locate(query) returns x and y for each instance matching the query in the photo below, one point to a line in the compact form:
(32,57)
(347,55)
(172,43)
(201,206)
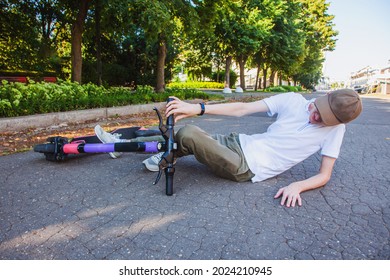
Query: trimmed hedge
(17,99)
(196,85)
(283,89)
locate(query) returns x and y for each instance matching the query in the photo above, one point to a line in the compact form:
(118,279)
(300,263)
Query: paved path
(94,207)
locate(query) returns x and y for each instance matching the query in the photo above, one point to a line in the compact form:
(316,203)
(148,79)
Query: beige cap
(339,106)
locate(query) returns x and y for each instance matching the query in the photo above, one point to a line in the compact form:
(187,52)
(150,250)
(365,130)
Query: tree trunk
(99,70)
(242,62)
(265,77)
(218,78)
(272,78)
(162,53)
(77,34)
(257,77)
(46,21)
(227,71)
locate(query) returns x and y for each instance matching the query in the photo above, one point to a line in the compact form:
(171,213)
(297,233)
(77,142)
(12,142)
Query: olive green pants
(221,153)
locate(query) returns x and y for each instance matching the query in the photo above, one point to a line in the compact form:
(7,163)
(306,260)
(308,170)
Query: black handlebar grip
(169,180)
(170,119)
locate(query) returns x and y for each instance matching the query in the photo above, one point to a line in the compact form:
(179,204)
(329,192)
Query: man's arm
(183,109)
(291,193)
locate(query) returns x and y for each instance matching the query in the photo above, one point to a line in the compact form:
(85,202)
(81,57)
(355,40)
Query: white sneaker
(152,163)
(106,137)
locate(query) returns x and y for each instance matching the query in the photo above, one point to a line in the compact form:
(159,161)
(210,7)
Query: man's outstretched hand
(290,195)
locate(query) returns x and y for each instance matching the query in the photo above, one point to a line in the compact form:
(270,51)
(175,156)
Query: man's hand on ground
(290,195)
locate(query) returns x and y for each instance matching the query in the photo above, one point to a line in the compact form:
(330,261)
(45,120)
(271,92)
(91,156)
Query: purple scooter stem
(99,148)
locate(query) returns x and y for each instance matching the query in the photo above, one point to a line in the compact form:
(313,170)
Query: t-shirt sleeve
(332,142)
(277,102)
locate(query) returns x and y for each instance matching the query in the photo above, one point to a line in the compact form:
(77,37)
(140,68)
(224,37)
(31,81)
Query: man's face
(314,117)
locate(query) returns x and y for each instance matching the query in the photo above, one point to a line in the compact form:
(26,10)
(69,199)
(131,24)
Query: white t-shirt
(290,139)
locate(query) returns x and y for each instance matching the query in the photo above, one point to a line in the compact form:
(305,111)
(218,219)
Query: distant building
(372,80)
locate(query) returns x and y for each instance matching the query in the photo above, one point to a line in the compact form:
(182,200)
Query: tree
(99,70)
(76,40)
(240,30)
(285,47)
(223,33)
(50,21)
(251,29)
(157,19)
(18,36)
(319,37)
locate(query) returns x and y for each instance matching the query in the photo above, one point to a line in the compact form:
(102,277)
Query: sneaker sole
(115,155)
(149,167)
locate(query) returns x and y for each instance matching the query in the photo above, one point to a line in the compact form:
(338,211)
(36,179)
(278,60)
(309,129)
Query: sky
(363,39)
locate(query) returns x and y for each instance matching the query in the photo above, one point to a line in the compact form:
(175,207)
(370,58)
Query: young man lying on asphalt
(302,128)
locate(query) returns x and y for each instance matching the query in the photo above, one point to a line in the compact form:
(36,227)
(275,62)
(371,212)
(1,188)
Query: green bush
(196,85)
(283,89)
(17,99)
(220,77)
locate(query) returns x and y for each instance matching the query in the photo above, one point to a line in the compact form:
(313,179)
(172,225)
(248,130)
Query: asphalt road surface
(94,207)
